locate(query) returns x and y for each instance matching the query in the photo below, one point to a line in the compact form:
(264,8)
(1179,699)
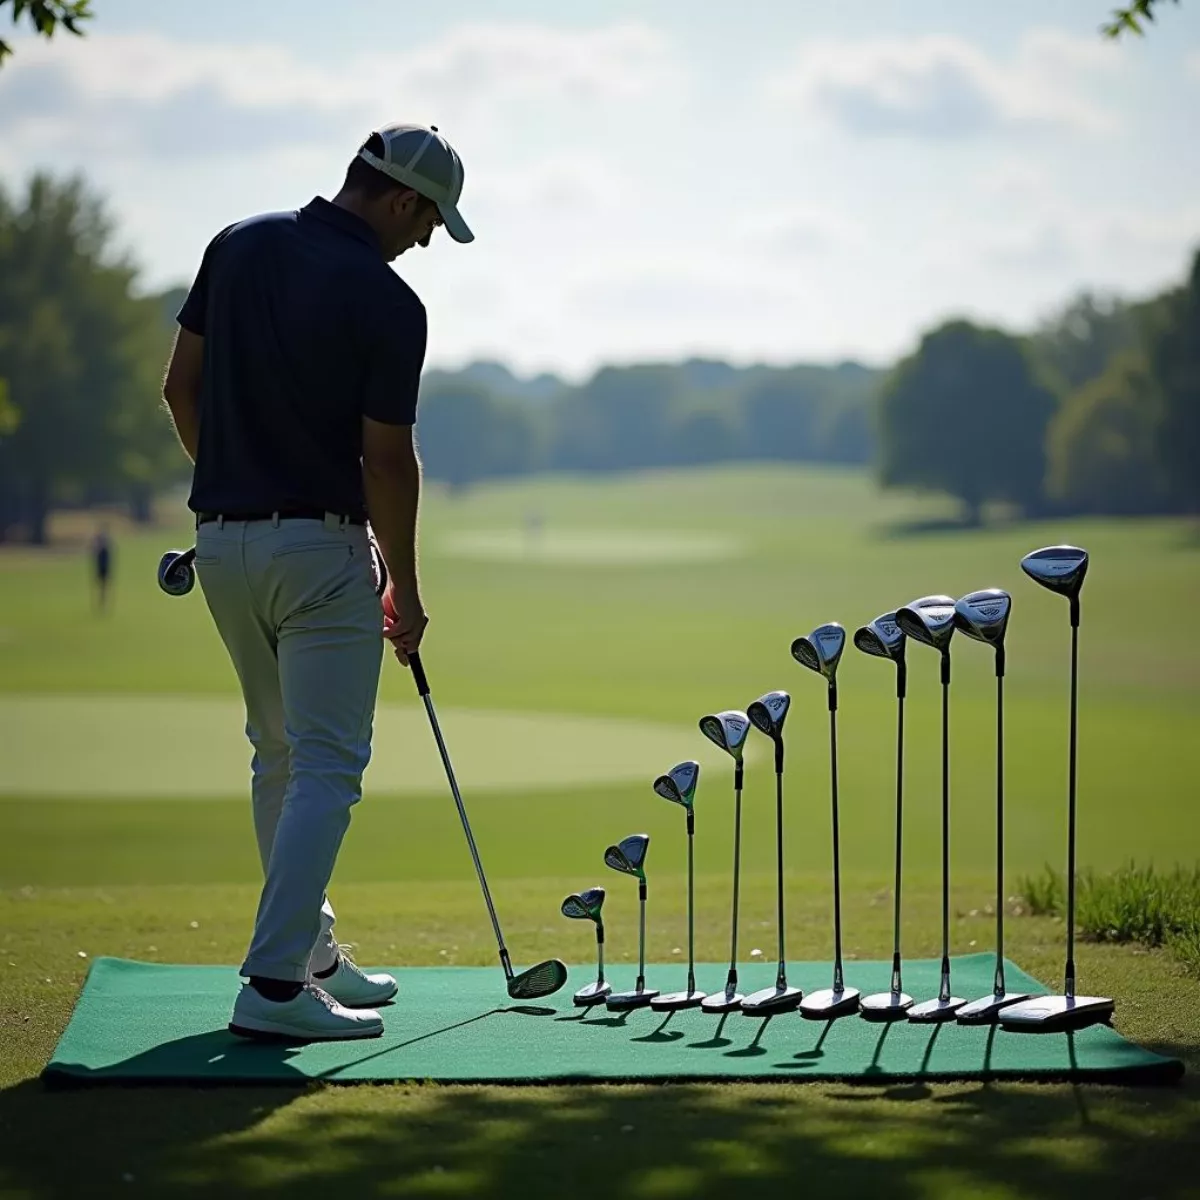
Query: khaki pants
(294,602)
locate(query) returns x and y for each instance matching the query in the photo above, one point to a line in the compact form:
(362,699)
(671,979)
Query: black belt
(284,514)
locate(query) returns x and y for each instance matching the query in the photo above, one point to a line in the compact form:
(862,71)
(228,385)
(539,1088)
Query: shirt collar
(340,218)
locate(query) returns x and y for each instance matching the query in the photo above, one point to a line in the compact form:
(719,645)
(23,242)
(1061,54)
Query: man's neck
(351,203)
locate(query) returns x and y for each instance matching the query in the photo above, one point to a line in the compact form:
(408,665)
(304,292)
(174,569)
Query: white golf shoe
(313,1015)
(351,986)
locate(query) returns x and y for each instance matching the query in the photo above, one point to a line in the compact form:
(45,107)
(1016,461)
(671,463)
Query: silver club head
(768,713)
(629,855)
(176,573)
(728,730)
(822,650)
(679,784)
(1059,568)
(584,906)
(882,638)
(929,620)
(984,615)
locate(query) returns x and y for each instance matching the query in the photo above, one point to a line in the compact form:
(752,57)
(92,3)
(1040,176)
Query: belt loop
(220,520)
(275,520)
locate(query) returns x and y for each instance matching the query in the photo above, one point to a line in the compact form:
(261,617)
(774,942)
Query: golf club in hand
(883,638)
(545,978)
(768,714)
(821,651)
(983,616)
(586,906)
(728,730)
(1062,569)
(629,857)
(679,786)
(930,621)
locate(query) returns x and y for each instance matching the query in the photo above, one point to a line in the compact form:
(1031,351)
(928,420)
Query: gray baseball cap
(420,158)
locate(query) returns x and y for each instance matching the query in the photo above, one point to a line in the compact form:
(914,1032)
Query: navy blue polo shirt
(306,331)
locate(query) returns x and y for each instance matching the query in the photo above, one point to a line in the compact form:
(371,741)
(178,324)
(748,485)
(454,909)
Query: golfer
(293,388)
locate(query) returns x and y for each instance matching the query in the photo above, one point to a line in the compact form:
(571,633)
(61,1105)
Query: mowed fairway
(570,657)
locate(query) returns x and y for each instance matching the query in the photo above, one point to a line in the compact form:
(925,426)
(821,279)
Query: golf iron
(768,714)
(679,786)
(586,906)
(821,651)
(1062,569)
(629,857)
(883,638)
(541,980)
(728,730)
(930,621)
(983,616)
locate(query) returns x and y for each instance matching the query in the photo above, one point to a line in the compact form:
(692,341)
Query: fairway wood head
(679,784)
(1059,568)
(629,855)
(882,638)
(584,906)
(728,730)
(176,574)
(984,615)
(822,650)
(929,620)
(768,713)
(541,980)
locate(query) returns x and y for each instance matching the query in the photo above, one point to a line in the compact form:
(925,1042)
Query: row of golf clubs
(930,621)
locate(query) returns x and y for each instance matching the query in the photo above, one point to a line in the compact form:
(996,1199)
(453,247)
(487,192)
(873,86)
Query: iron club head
(728,730)
(679,784)
(882,638)
(1059,568)
(929,620)
(176,574)
(822,650)
(768,713)
(584,906)
(541,980)
(629,855)
(984,615)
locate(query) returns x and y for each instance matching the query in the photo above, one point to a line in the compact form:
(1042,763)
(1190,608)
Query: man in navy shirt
(293,388)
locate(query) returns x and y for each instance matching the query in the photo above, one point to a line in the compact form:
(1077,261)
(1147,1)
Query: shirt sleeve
(394,361)
(194,313)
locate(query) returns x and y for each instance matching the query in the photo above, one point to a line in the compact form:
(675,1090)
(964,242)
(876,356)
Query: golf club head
(822,650)
(679,784)
(542,980)
(378,566)
(929,620)
(882,638)
(1061,569)
(176,574)
(728,730)
(584,906)
(629,855)
(984,615)
(768,713)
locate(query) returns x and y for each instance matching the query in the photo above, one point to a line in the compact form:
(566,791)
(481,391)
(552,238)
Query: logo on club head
(777,704)
(888,628)
(737,727)
(990,611)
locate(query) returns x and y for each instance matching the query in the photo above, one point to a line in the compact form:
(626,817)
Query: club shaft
(462,816)
(641,979)
(781,979)
(600,958)
(837,857)
(691,986)
(944,993)
(1069,984)
(998,985)
(737,868)
(896,984)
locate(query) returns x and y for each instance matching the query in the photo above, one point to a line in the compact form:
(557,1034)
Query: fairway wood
(728,730)
(779,998)
(730,1000)
(176,572)
(592,994)
(584,906)
(885,1006)
(929,620)
(1053,1014)
(621,1001)
(673,1001)
(679,784)
(769,713)
(822,650)
(629,857)
(829,1003)
(1060,568)
(984,616)
(587,906)
(882,638)
(933,1011)
(987,1009)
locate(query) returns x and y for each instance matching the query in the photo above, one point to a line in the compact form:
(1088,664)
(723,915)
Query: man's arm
(181,388)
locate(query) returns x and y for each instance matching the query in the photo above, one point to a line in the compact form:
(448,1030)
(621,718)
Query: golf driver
(546,977)
(1062,570)
(883,638)
(930,621)
(679,786)
(821,651)
(983,616)
(629,857)
(728,730)
(586,906)
(768,713)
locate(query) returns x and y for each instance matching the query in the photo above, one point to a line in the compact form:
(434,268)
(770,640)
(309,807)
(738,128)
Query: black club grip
(414,661)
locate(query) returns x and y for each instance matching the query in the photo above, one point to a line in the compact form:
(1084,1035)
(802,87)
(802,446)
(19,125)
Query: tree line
(1097,410)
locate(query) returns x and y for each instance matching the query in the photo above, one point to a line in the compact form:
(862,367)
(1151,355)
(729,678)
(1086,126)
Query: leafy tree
(966,414)
(705,437)
(45,16)
(1129,19)
(1078,343)
(783,414)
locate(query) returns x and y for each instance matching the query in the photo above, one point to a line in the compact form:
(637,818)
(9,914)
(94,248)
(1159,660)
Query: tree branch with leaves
(46,16)
(1130,19)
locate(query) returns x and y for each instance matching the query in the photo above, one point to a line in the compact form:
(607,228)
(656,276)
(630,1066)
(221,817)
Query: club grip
(414,661)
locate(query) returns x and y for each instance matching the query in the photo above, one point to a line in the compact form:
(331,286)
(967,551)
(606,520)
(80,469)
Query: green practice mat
(142,1021)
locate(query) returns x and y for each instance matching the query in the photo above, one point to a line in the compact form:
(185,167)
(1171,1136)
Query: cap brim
(456,227)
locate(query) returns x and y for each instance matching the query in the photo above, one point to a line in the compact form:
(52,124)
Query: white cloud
(943,87)
(1191,64)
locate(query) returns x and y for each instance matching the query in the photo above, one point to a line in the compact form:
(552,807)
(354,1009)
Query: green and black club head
(629,855)
(679,784)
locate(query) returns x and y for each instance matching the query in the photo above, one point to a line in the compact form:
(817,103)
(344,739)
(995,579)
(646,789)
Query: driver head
(929,620)
(584,906)
(882,638)
(768,713)
(984,615)
(629,855)
(1059,568)
(176,574)
(822,650)
(679,784)
(728,730)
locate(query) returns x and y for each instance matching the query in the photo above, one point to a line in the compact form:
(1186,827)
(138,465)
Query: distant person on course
(102,566)
(293,388)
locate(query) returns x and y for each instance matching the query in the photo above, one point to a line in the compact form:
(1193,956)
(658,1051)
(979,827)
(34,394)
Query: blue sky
(646,181)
